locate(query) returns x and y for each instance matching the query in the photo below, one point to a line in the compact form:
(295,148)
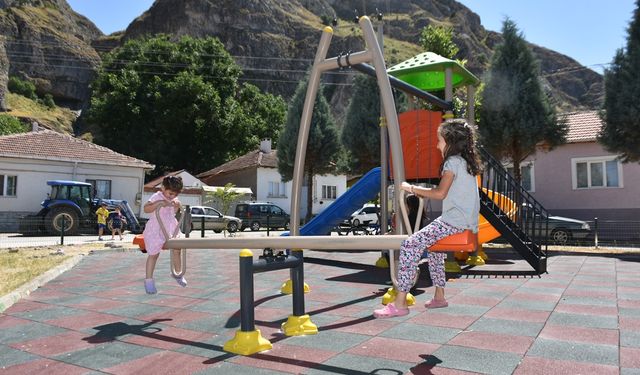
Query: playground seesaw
(458,242)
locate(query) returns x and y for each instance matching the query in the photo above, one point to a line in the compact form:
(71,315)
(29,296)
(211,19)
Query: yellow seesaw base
(247,343)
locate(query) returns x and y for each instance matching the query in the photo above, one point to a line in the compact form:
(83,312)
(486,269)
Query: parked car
(256,215)
(213,220)
(562,230)
(368,213)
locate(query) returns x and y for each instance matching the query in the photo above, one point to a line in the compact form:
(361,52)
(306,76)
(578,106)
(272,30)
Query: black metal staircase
(511,210)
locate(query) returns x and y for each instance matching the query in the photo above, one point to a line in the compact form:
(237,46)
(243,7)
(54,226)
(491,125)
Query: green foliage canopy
(439,39)
(515,114)
(621,116)
(323,146)
(179,104)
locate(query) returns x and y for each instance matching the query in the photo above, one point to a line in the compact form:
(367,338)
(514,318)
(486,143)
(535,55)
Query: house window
(328,192)
(101,188)
(527,175)
(8,185)
(596,173)
(276,189)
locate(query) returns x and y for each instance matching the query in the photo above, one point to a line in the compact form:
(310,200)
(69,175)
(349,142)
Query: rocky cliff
(274,41)
(46,42)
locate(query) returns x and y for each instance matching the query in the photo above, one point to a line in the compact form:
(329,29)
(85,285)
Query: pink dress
(153,236)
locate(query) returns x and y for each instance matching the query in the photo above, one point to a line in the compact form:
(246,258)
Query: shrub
(10,125)
(20,87)
(48,101)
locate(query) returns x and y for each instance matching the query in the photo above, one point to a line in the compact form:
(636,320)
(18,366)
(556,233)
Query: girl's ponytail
(461,140)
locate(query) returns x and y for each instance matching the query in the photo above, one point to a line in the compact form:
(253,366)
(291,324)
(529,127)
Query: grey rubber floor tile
(11,357)
(475,360)
(592,353)
(579,320)
(106,355)
(509,327)
(351,364)
(26,332)
(328,340)
(421,333)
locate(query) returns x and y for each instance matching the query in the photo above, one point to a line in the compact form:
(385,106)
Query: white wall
(271,174)
(264,175)
(33,174)
(339,181)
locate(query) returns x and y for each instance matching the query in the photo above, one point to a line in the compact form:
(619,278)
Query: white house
(258,170)
(28,160)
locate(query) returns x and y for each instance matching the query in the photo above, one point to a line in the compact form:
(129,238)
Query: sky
(589,31)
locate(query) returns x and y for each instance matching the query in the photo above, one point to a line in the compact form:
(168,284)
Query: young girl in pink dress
(166,200)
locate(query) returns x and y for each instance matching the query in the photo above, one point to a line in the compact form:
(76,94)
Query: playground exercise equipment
(183,223)
(248,340)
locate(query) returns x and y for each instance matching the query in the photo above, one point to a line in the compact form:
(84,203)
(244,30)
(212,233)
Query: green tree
(10,125)
(226,196)
(179,104)
(322,148)
(515,115)
(361,131)
(621,116)
(439,40)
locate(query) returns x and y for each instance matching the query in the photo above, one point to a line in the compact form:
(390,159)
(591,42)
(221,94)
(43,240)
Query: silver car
(561,230)
(213,220)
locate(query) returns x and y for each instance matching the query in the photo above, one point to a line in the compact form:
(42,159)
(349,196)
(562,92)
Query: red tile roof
(583,126)
(252,159)
(50,145)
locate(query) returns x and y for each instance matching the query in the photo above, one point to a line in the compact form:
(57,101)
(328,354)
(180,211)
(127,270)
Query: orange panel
(418,131)
(465,241)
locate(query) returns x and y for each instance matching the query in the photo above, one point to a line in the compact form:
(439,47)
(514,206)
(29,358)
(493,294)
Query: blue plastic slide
(360,193)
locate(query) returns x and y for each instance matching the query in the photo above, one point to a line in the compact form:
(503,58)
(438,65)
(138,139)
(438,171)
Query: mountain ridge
(274,41)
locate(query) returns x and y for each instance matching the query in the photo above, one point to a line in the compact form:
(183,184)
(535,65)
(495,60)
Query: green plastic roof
(426,72)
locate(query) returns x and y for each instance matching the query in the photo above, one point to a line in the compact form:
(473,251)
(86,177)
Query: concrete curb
(24,290)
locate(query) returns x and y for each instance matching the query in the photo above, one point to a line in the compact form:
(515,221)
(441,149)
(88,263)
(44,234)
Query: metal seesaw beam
(391,242)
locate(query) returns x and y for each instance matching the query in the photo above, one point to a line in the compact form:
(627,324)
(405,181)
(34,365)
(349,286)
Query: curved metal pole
(393,127)
(183,251)
(303,131)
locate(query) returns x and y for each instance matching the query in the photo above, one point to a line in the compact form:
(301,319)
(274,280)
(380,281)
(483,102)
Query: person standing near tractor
(102,213)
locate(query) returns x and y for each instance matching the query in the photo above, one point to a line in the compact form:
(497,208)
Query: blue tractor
(71,205)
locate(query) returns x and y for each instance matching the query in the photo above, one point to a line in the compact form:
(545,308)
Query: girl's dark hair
(173,183)
(461,140)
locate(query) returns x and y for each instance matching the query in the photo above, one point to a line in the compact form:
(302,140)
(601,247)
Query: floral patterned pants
(418,243)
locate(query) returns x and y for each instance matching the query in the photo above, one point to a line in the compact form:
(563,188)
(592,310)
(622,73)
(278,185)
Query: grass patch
(19,266)
(57,118)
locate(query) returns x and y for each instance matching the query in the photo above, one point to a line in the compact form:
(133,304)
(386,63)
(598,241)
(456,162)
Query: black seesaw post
(248,339)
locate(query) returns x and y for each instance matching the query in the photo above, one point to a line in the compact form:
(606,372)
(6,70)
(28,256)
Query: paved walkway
(582,317)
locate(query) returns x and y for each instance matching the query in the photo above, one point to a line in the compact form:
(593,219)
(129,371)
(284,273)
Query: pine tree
(361,131)
(322,146)
(516,114)
(621,115)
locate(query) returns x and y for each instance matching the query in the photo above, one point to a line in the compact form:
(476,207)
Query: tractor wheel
(54,219)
